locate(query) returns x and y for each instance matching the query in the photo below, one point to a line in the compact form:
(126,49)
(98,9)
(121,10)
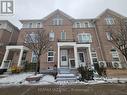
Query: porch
(72,55)
(14,56)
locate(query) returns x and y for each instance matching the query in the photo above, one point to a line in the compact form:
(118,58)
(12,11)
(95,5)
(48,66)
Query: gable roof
(111,12)
(58,12)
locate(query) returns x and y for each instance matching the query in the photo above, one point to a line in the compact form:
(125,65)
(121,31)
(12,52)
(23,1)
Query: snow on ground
(14,78)
(45,80)
(19,79)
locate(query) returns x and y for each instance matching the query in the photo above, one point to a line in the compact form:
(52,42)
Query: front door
(81,59)
(64,58)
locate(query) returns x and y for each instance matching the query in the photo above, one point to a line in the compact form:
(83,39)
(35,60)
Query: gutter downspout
(98,40)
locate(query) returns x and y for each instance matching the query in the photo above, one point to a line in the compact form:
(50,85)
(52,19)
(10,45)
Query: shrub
(86,74)
(15,69)
(100,70)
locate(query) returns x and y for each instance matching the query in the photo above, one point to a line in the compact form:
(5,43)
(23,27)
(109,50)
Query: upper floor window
(115,55)
(84,37)
(86,24)
(57,20)
(78,25)
(31,38)
(38,25)
(30,25)
(63,35)
(109,35)
(51,36)
(109,20)
(50,56)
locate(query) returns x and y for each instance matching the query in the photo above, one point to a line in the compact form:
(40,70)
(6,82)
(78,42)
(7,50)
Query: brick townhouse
(76,42)
(8,35)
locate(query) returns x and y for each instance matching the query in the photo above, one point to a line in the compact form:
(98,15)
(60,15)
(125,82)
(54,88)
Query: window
(94,56)
(115,55)
(38,25)
(34,57)
(84,37)
(31,38)
(109,35)
(51,36)
(30,25)
(50,56)
(86,24)
(63,35)
(78,25)
(109,20)
(57,20)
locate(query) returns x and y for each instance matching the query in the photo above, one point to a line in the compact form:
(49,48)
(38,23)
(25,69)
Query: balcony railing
(66,40)
(73,40)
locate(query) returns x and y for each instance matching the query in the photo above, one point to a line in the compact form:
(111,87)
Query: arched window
(30,25)
(84,37)
(77,24)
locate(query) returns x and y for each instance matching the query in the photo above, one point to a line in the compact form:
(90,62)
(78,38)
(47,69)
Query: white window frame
(57,21)
(87,24)
(115,54)
(33,55)
(38,25)
(77,24)
(108,35)
(50,56)
(51,37)
(31,34)
(30,25)
(84,34)
(109,20)
(62,35)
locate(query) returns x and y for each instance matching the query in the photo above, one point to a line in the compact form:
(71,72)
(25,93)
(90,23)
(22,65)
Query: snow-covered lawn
(19,79)
(14,78)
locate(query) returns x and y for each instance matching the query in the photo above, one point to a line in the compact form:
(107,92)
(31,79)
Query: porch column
(20,57)
(5,57)
(91,61)
(76,57)
(58,57)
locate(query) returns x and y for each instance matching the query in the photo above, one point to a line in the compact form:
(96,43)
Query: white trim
(72,44)
(85,34)
(51,38)
(51,56)
(17,47)
(64,35)
(64,55)
(37,25)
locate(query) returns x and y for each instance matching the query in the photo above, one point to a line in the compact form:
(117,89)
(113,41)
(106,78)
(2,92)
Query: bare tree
(39,43)
(119,37)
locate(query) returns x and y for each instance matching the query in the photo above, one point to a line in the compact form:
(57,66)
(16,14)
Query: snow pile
(45,80)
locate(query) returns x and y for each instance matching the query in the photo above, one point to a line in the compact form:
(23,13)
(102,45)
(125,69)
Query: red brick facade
(96,27)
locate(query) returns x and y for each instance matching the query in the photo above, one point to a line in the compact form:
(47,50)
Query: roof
(10,24)
(111,12)
(58,12)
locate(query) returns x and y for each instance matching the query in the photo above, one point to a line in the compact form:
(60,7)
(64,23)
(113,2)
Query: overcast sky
(37,9)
